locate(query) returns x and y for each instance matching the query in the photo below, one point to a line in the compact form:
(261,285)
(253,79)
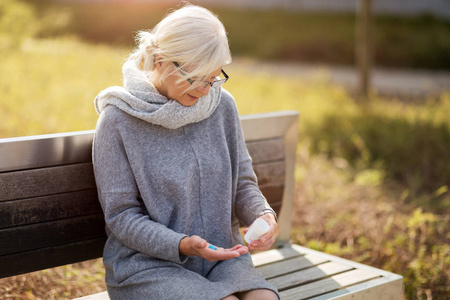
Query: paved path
(402,83)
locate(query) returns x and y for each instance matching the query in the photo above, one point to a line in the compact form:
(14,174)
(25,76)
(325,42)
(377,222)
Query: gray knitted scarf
(140,98)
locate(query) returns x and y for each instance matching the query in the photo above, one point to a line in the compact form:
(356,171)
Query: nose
(205,90)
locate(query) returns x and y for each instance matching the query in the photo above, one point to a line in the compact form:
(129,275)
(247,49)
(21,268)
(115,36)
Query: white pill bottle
(258,229)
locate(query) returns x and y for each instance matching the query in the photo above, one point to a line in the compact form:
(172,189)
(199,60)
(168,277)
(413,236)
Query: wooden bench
(50,215)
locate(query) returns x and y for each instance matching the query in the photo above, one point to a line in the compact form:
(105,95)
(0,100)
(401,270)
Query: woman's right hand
(195,245)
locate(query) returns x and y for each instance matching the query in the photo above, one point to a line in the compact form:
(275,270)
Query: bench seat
(50,214)
(302,273)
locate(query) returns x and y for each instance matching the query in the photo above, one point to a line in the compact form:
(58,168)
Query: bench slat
(31,152)
(266,150)
(308,275)
(290,265)
(327,285)
(273,194)
(271,172)
(375,289)
(36,236)
(274,255)
(98,296)
(46,181)
(47,208)
(50,257)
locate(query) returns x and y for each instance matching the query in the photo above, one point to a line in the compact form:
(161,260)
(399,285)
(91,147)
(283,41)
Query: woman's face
(181,92)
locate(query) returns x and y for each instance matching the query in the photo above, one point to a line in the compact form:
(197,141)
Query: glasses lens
(216,83)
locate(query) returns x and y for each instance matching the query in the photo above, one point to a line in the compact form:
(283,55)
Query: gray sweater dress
(160,179)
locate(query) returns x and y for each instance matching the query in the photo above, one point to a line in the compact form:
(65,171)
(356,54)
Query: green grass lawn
(353,199)
(50,86)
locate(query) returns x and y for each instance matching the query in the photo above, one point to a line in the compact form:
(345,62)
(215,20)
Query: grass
(51,85)
(372,224)
(66,282)
(348,202)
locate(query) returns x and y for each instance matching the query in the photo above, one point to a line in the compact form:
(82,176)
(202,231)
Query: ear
(158,62)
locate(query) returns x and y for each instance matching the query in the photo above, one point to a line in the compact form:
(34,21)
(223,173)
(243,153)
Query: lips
(193,98)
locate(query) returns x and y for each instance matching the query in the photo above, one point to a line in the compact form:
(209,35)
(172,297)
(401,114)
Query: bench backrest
(49,211)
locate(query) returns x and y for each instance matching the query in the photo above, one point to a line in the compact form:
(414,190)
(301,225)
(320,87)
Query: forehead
(213,74)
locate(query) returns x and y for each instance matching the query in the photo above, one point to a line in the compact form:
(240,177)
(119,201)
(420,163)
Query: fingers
(261,245)
(219,254)
(240,248)
(213,253)
(267,240)
(197,246)
(236,247)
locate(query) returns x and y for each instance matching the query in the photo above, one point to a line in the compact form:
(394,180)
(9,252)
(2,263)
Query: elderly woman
(173,174)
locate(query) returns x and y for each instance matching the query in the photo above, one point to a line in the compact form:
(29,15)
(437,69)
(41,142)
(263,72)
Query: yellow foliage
(51,84)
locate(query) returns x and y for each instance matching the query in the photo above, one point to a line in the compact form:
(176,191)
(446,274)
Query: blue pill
(212,247)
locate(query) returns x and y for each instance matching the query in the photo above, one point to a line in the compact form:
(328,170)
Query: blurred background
(371,79)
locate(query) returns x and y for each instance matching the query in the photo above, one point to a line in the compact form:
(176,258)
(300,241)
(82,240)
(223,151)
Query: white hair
(192,36)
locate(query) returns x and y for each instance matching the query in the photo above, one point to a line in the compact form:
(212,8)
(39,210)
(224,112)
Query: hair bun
(147,42)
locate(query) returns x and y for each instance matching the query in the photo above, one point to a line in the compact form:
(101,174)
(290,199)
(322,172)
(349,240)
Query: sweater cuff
(182,258)
(269,210)
(169,247)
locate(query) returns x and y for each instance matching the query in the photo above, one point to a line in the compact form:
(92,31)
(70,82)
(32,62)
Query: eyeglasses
(216,83)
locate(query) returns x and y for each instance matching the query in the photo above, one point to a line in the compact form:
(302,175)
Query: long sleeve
(250,202)
(125,214)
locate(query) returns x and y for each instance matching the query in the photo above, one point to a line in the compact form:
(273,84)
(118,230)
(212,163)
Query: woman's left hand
(267,240)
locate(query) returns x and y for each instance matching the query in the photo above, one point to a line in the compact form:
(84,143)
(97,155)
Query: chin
(187,104)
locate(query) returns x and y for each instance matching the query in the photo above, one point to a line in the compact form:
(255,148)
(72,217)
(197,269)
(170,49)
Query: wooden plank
(35,236)
(276,206)
(375,289)
(50,257)
(308,275)
(48,208)
(267,125)
(98,296)
(346,261)
(45,150)
(46,181)
(274,195)
(262,151)
(327,285)
(290,265)
(269,173)
(274,255)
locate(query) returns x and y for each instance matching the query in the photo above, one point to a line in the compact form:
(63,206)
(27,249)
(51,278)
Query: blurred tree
(17,20)
(364,46)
